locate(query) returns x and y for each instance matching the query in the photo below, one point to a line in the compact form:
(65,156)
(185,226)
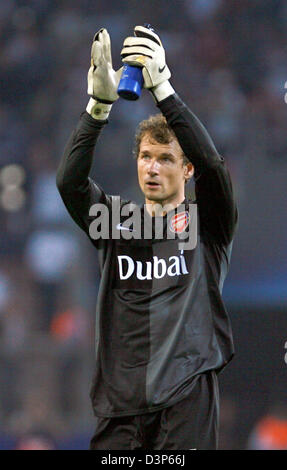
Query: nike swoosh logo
(161,69)
(121,227)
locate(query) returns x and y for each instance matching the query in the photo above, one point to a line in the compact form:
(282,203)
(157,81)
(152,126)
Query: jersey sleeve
(213,186)
(78,191)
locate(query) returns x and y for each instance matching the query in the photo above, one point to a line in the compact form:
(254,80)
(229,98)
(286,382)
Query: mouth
(152,184)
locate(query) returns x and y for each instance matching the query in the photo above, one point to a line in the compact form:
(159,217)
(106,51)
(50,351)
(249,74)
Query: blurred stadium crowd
(226,59)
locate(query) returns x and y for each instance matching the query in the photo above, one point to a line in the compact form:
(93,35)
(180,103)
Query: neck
(161,208)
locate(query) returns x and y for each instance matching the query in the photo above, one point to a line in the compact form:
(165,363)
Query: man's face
(161,172)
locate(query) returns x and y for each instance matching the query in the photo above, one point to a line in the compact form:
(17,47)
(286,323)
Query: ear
(188,171)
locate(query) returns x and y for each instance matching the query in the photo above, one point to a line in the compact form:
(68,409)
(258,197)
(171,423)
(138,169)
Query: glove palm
(103,80)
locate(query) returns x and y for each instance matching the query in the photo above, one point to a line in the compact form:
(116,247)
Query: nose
(153,168)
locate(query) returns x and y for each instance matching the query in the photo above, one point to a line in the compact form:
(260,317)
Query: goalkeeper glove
(146,50)
(102,78)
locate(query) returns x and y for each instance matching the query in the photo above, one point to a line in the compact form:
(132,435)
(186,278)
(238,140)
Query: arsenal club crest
(179,222)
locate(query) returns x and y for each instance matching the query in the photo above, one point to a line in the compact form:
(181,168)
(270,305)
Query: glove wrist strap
(98,110)
(162,91)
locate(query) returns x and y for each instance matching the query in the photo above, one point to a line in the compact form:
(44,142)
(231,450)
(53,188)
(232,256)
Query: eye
(166,159)
(145,156)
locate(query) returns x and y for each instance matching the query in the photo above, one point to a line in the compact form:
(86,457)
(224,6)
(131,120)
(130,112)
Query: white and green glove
(146,50)
(103,80)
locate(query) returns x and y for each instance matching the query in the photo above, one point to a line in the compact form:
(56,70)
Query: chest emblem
(179,222)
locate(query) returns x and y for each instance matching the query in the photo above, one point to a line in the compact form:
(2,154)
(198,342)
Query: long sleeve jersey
(160,318)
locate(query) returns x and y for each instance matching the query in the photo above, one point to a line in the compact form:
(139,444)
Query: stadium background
(228,62)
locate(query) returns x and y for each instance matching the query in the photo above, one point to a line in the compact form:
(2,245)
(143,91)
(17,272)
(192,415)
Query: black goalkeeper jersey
(160,318)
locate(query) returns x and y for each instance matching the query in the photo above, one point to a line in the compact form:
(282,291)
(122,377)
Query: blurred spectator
(227,426)
(49,255)
(71,326)
(35,440)
(38,410)
(270,432)
(18,306)
(46,205)
(4,290)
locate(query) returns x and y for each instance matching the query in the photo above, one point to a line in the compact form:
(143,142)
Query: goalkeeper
(162,330)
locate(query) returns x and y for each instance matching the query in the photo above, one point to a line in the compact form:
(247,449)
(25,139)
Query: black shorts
(192,423)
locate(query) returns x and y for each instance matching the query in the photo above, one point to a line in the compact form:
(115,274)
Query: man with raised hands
(162,330)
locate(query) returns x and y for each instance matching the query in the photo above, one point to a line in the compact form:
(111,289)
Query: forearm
(194,139)
(213,187)
(77,190)
(76,162)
